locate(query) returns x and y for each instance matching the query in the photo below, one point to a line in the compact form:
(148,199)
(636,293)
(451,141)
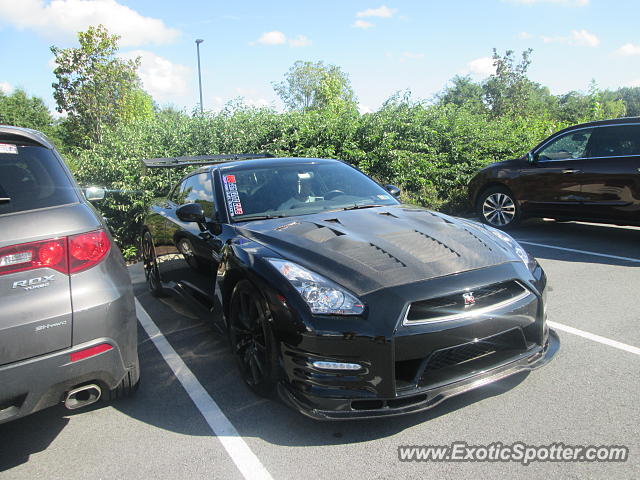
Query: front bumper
(41,382)
(323,408)
(408,365)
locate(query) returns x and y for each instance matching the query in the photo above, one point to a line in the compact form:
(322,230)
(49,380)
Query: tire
(151,272)
(498,207)
(127,387)
(252,341)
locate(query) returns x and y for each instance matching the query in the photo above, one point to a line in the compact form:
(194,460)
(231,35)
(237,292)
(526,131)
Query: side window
(615,141)
(567,147)
(196,189)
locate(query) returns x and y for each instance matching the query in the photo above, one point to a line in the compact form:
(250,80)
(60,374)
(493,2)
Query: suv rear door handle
(570,171)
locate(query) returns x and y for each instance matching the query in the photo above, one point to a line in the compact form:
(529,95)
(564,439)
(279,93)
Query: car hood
(369,249)
(512,163)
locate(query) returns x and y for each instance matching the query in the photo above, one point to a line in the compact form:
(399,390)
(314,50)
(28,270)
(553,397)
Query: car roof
(600,123)
(9,132)
(597,123)
(265,163)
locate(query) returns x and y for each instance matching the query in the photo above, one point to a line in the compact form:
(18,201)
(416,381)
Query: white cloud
(382,11)
(272,38)
(63,18)
(278,38)
(567,3)
(634,83)
(363,24)
(364,109)
(628,50)
(6,87)
(412,55)
(481,67)
(584,38)
(161,78)
(581,38)
(525,35)
(299,41)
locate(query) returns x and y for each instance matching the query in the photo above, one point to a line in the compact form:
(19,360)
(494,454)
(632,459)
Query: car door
(611,175)
(551,184)
(192,253)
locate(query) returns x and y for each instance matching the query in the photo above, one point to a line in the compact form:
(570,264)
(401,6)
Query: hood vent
(421,246)
(482,242)
(321,234)
(370,255)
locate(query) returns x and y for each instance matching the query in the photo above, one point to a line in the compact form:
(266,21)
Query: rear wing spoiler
(175,162)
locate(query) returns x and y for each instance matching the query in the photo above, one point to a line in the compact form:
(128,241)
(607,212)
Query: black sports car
(350,303)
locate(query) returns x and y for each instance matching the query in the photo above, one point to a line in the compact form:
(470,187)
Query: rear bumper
(41,382)
(323,408)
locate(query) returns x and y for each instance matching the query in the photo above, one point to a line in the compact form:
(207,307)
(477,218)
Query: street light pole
(198,42)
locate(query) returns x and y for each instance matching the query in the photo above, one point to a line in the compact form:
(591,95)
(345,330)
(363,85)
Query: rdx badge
(33,283)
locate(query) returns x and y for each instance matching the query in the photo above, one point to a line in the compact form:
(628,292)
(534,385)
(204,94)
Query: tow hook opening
(82,396)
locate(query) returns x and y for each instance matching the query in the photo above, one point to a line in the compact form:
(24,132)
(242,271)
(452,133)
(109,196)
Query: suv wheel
(252,341)
(498,207)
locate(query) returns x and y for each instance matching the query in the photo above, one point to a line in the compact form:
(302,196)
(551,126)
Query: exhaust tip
(82,396)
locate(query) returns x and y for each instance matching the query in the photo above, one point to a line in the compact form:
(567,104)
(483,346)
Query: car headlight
(527,259)
(322,295)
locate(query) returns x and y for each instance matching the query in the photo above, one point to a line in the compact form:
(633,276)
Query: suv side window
(197,189)
(615,141)
(569,146)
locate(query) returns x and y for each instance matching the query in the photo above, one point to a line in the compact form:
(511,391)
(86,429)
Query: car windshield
(299,189)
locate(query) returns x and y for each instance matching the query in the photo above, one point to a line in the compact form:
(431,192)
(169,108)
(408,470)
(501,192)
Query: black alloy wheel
(151,272)
(252,341)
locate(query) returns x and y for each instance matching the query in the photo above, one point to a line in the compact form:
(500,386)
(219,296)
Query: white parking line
(246,461)
(584,252)
(595,338)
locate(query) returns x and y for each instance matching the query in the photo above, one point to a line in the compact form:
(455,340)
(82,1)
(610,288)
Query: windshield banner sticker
(8,148)
(231,194)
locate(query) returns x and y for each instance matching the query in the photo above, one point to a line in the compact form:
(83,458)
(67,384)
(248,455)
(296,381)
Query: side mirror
(393,190)
(191,212)
(531,158)
(94,193)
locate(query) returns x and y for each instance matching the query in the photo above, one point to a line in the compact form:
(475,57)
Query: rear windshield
(31,177)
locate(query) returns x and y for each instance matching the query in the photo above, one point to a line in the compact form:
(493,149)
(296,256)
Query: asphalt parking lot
(587,396)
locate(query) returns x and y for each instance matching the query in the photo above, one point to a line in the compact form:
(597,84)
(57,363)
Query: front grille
(473,357)
(465,303)
(459,355)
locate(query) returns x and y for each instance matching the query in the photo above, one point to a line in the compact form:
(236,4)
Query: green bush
(429,151)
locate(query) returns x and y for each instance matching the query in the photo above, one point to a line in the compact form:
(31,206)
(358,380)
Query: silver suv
(68,329)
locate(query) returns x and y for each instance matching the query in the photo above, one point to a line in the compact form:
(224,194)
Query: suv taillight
(66,254)
(87,249)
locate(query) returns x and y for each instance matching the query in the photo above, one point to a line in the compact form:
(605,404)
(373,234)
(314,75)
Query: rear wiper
(358,207)
(259,217)
(4,199)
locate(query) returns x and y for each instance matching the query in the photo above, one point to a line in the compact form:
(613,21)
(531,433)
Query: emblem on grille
(469,299)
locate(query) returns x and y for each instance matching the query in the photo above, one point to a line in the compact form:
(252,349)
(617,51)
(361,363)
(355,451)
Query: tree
(20,110)
(630,96)
(505,91)
(94,86)
(314,86)
(463,91)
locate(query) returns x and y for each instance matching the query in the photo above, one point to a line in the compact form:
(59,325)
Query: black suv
(588,172)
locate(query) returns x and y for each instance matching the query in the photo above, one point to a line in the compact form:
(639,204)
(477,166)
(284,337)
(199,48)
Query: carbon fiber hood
(369,249)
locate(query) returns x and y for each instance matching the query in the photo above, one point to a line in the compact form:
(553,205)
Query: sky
(385,46)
